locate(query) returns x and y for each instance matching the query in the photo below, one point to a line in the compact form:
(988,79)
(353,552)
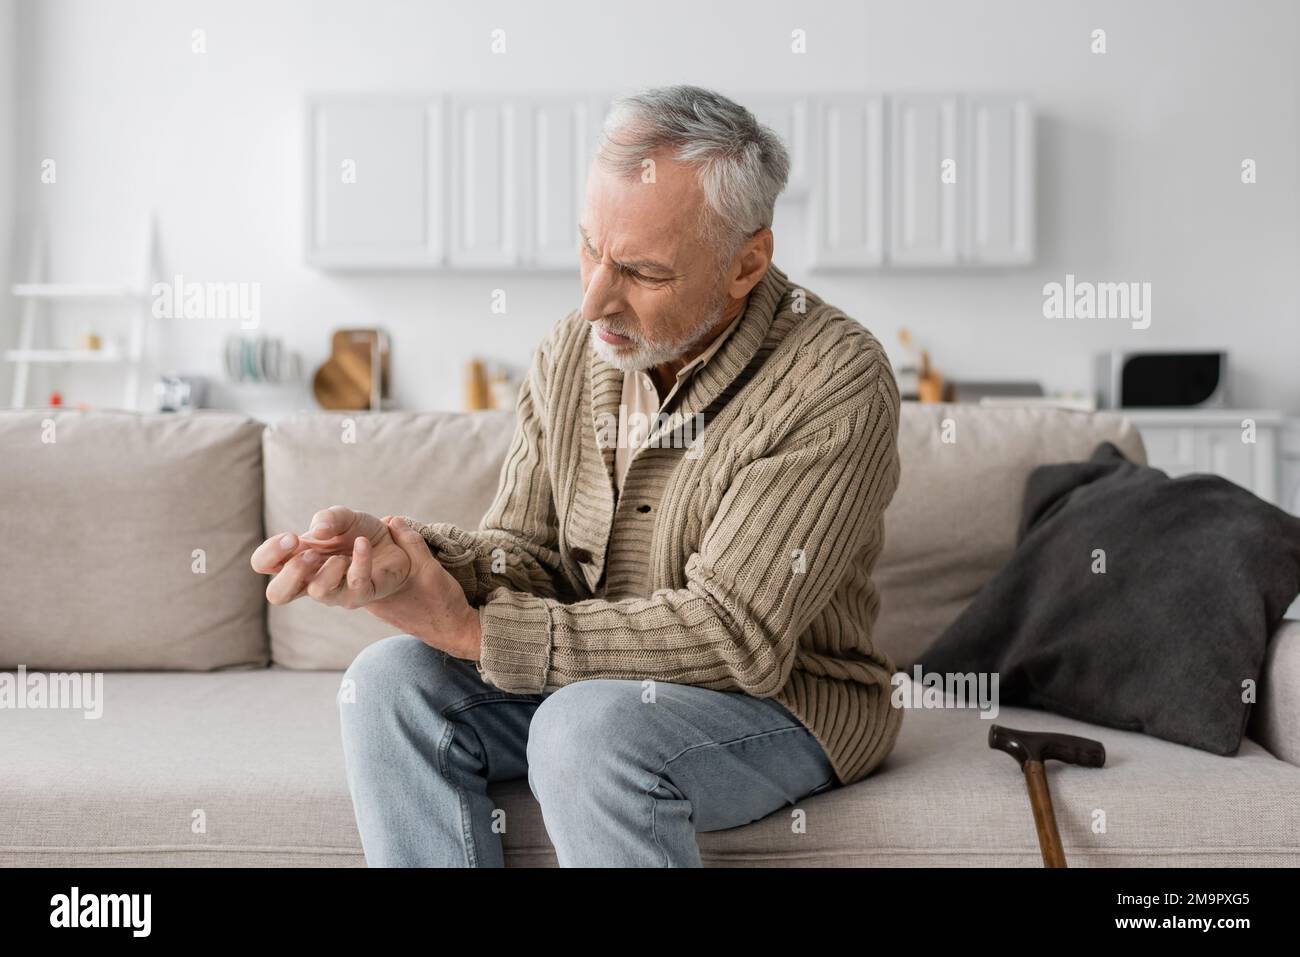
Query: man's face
(651,287)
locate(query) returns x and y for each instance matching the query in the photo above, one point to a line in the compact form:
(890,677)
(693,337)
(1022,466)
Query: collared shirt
(641,405)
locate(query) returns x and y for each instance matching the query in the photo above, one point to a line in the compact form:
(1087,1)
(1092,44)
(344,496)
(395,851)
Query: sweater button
(580,555)
(643,509)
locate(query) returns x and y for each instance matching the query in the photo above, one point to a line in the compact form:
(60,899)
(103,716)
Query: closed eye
(640,277)
(628,271)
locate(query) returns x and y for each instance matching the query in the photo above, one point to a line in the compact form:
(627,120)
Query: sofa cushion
(127,540)
(237,768)
(434,466)
(1275,719)
(944,798)
(258,753)
(952,523)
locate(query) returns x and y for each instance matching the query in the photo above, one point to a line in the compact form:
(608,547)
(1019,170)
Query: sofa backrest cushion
(434,466)
(952,523)
(126,541)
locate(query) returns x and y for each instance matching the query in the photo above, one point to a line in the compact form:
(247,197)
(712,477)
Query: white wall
(8,127)
(1139,157)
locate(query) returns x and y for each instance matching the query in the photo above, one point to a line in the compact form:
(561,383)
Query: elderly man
(665,635)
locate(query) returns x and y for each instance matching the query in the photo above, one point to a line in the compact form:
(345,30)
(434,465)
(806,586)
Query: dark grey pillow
(1198,573)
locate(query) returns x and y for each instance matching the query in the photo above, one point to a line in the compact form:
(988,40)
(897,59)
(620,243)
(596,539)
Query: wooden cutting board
(344,381)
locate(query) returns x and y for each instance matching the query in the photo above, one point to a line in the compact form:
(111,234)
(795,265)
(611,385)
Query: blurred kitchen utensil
(259,359)
(178,393)
(355,376)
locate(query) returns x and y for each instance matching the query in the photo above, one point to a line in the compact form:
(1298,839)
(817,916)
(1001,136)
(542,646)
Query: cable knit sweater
(738,557)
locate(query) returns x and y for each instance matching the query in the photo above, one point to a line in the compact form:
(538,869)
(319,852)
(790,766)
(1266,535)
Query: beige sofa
(126,543)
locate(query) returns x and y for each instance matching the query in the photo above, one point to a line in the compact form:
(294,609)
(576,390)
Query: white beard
(639,355)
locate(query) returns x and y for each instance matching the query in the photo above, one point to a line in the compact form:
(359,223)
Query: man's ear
(754,257)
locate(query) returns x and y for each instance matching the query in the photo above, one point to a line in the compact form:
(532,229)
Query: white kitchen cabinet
(374,182)
(486,138)
(961,180)
(499,181)
(926,175)
(561,137)
(448,182)
(518,174)
(789,117)
(846,220)
(1289,498)
(999,183)
(954,187)
(1182,441)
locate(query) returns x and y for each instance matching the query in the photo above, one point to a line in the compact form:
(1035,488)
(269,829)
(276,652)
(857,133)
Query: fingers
(409,540)
(327,585)
(345,582)
(360,585)
(331,522)
(334,562)
(291,581)
(271,555)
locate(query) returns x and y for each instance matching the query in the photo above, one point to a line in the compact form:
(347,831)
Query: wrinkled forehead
(654,215)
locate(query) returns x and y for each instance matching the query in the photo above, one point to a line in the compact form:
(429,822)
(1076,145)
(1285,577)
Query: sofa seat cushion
(259,754)
(943,798)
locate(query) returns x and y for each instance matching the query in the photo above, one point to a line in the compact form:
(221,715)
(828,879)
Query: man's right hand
(346,558)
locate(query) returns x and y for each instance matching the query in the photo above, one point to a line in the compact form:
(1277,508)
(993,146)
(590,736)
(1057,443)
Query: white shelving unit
(26,356)
(38,295)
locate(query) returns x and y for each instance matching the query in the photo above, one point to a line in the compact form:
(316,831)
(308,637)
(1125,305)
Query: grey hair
(742,165)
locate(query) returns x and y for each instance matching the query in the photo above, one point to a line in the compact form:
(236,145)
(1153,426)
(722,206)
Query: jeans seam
(720,744)
(484,697)
(654,830)
(467,835)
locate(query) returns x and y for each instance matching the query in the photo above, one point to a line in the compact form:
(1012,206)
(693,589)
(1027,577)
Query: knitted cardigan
(738,556)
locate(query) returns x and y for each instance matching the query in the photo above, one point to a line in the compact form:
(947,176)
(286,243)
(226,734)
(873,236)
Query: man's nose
(601,297)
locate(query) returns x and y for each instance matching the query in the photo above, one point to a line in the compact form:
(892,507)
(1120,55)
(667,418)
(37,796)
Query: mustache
(618,329)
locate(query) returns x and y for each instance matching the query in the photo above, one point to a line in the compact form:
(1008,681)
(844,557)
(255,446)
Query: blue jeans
(626,773)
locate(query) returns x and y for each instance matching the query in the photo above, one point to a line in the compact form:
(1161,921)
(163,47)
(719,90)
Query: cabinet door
(1183,449)
(1250,465)
(847,193)
(925,180)
(374,182)
(486,145)
(1000,180)
(789,118)
(560,144)
(1289,464)
(1172,449)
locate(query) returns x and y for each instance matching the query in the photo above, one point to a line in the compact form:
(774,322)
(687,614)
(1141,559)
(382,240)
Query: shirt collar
(714,346)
